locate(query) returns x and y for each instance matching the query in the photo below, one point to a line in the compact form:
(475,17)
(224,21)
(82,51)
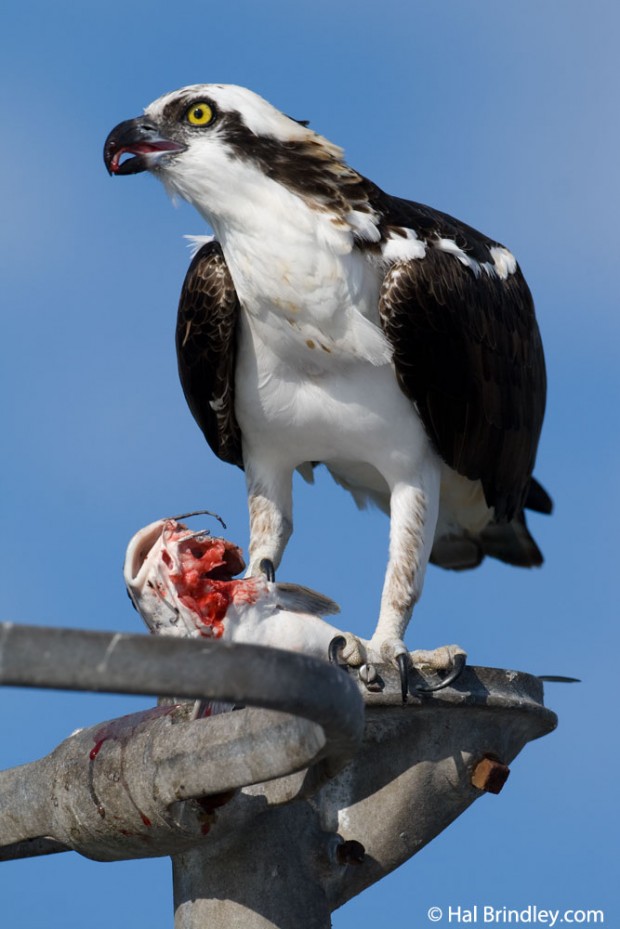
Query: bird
(327,322)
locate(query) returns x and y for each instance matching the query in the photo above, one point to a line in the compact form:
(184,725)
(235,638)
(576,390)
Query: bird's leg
(413,516)
(413,521)
(412,527)
(271,519)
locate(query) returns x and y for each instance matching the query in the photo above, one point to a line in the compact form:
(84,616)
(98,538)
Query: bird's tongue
(134,164)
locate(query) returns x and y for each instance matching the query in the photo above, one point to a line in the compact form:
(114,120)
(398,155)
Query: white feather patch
(403,247)
(504,261)
(365,224)
(195,242)
(450,246)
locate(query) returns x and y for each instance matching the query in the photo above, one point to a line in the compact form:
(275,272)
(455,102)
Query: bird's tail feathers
(538,499)
(510,542)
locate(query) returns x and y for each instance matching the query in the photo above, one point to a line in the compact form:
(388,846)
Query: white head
(238,159)
(211,143)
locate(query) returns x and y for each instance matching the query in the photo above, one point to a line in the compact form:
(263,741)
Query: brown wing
(468,352)
(206,350)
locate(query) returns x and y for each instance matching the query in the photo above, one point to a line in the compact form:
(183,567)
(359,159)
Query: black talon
(334,648)
(266,567)
(403,670)
(459,664)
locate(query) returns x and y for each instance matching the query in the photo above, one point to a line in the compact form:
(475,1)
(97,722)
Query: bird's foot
(447,661)
(347,649)
(394,652)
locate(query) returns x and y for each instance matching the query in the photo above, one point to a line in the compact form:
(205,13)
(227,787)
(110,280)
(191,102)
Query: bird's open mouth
(136,145)
(141,156)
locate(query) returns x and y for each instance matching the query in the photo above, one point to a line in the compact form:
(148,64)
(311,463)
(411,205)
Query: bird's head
(222,147)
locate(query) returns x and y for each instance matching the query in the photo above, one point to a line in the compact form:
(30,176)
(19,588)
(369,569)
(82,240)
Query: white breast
(298,275)
(315,379)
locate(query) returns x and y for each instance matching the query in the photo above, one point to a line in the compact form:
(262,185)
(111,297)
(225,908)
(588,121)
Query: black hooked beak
(140,138)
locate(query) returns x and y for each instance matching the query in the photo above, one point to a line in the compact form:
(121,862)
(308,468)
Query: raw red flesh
(205,583)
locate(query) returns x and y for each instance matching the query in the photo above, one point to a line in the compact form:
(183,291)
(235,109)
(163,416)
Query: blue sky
(504,115)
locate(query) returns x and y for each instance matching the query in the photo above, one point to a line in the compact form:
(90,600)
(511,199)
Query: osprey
(329,322)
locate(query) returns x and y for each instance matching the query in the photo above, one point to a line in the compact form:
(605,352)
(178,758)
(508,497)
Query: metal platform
(275,814)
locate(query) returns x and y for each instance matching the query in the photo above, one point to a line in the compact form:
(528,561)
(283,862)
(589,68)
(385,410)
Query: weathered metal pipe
(253,675)
(115,790)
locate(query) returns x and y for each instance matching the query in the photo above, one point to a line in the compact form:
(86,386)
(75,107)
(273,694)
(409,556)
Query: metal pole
(269,878)
(253,675)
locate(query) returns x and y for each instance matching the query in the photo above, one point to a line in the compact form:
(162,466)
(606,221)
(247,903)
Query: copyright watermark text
(503,915)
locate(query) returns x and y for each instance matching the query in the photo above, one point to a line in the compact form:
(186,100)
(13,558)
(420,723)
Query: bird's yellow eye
(199,114)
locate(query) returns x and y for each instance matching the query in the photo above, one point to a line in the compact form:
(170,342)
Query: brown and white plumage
(331,322)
